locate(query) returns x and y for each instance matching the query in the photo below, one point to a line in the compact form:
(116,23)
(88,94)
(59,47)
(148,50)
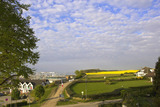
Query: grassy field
(101,87)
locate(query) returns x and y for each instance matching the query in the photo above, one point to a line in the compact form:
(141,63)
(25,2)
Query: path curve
(52,101)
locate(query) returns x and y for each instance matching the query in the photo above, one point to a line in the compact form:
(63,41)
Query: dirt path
(52,101)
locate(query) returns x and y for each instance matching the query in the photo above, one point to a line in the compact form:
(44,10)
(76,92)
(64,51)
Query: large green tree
(17,42)
(156,81)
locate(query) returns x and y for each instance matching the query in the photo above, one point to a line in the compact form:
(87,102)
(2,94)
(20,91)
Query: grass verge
(48,93)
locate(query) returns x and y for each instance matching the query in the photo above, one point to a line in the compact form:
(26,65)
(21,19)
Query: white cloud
(96,34)
(131,3)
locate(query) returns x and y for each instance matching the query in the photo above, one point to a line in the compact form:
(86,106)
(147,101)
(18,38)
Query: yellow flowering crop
(113,72)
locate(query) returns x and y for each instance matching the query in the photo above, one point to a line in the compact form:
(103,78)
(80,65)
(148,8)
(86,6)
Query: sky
(95,34)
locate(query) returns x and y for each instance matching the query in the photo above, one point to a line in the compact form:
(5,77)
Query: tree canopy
(17,42)
(156,81)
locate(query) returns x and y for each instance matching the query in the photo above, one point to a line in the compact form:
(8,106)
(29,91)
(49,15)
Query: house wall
(24,87)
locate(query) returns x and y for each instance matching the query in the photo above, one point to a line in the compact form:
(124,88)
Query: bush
(137,96)
(15,94)
(50,85)
(39,91)
(108,82)
(19,104)
(121,74)
(68,88)
(114,93)
(111,105)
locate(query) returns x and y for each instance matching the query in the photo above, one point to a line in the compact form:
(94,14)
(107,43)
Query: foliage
(50,85)
(19,104)
(17,43)
(79,74)
(111,105)
(15,94)
(156,82)
(48,92)
(114,93)
(157,101)
(39,91)
(121,74)
(108,81)
(139,96)
(68,88)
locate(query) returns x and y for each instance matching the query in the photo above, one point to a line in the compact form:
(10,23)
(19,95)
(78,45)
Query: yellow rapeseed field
(113,72)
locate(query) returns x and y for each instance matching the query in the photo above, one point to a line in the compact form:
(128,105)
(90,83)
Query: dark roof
(34,82)
(146,70)
(152,74)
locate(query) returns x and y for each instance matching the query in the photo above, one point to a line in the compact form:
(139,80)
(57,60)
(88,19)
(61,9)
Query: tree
(15,94)
(79,74)
(156,82)
(17,43)
(108,81)
(39,91)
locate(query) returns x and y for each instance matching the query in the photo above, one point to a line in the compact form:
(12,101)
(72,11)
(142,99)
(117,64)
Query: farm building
(144,71)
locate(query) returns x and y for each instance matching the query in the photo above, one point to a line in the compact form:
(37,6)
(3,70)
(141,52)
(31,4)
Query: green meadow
(101,87)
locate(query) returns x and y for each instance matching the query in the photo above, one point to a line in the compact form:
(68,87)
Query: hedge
(111,105)
(116,92)
(68,89)
(19,104)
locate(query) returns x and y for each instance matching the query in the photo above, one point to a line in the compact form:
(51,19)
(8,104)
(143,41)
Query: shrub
(108,82)
(19,104)
(137,96)
(111,105)
(68,88)
(121,74)
(50,85)
(106,95)
(15,94)
(39,91)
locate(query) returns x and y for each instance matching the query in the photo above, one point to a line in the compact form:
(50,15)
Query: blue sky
(87,34)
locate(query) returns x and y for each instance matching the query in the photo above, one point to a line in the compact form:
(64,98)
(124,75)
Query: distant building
(70,77)
(26,85)
(150,76)
(57,78)
(144,71)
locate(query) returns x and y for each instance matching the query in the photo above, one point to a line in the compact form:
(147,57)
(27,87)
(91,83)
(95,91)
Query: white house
(26,86)
(144,71)
(150,76)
